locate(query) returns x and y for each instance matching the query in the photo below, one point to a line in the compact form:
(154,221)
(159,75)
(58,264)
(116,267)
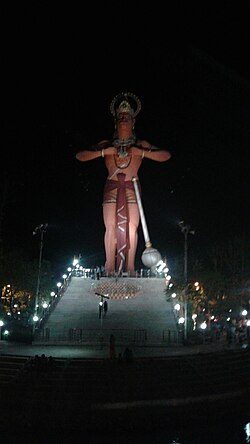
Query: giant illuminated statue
(123,156)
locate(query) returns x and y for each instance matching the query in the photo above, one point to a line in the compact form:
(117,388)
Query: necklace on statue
(121,162)
(124,143)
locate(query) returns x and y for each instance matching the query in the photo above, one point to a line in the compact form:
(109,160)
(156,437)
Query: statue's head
(124,107)
(125,103)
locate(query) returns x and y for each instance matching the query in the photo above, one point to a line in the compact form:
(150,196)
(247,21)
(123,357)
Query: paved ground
(62,351)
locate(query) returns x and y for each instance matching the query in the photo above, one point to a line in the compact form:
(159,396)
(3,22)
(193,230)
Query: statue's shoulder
(147,146)
(100,145)
(105,143)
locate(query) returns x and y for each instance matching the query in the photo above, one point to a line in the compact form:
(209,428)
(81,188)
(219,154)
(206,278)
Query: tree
(20,274)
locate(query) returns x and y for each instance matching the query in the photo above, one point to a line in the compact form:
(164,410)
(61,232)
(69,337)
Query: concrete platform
(98,352)
(137,311)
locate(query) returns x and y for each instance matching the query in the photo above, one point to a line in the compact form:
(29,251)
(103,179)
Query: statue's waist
(111,184)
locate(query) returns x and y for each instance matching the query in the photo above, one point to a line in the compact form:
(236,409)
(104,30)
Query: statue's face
(124,118)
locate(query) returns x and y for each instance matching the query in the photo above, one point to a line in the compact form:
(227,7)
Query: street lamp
(186,230)
(248,333)
(59,286)
(102,296)
(1,325)
(41,229)
(203,326)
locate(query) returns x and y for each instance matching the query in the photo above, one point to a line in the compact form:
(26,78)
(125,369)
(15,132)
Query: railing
(172,337)
(79,336)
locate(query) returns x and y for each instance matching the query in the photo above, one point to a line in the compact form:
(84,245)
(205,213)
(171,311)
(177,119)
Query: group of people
(237,333)
(41,364)
(127,355)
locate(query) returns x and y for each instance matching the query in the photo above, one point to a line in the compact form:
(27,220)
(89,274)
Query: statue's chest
(122,162)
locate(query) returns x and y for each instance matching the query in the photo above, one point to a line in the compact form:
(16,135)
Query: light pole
(186,230)
(203,327)
(102,296)
(248,333)
(41,229)
(1,325)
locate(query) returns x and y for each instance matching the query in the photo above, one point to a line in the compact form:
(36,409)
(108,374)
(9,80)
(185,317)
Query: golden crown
(120,103)
(125,107)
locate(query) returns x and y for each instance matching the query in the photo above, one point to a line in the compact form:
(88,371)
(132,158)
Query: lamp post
(1,325)
(203,327)
(102,296)
(248,333)
(41,229)
(186,230)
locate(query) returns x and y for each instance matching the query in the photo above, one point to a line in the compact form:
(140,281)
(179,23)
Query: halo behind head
(125,102)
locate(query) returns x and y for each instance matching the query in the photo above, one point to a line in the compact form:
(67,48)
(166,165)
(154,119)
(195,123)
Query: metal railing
(79,336)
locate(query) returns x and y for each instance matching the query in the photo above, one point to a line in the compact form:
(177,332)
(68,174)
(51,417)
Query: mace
(150,256)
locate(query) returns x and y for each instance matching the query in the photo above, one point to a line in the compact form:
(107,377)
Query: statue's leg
(133,221)
(109,217)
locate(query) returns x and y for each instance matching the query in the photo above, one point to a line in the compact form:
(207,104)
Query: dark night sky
(190,69)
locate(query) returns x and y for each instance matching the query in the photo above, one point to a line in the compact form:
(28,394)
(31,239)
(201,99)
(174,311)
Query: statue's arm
(149,151)
(94,151)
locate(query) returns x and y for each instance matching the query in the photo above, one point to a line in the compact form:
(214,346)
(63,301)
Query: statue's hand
(103,145)
(110,151)
(147,146)
(144,144)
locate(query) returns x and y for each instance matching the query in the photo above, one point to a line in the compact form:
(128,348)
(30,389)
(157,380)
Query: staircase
(10,368)
(137,312)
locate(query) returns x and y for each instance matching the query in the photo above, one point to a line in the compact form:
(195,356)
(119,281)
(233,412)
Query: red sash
(121,213)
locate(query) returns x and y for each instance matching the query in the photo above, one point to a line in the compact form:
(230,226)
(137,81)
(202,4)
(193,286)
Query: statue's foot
(110,273)
(132,273)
